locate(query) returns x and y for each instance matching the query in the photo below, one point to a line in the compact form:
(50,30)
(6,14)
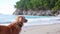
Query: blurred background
(30,7)
(48,9)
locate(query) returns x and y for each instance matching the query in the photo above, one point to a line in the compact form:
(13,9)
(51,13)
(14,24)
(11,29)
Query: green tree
(53,5)
(57,6)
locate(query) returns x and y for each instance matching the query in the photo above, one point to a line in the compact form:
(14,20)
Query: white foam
(41,21)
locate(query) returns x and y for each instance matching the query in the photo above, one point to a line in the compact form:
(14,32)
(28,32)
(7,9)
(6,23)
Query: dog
(14,27)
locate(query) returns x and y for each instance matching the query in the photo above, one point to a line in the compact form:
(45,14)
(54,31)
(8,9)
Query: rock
(32,12)
(29,12)
(18,12)
(24,12)
(48,13)
(57,13)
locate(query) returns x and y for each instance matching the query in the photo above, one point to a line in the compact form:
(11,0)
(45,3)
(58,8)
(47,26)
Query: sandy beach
(41,29)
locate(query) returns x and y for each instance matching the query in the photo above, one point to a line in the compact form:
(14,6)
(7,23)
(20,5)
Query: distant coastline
(36,12)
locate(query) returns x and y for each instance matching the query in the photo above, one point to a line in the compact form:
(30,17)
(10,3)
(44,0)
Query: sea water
(32,20)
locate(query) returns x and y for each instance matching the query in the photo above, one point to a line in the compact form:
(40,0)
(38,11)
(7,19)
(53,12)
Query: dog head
(21,19)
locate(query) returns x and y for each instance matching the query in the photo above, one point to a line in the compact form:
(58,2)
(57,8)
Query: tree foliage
(53,5)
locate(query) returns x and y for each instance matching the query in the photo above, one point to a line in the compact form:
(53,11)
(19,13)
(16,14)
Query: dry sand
(41,29)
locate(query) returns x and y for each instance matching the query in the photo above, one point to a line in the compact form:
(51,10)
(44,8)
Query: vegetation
(53,5)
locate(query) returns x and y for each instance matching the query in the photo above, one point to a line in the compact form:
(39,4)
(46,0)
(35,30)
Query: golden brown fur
(13,28)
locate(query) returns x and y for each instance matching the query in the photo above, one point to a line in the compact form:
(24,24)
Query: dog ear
(19,18)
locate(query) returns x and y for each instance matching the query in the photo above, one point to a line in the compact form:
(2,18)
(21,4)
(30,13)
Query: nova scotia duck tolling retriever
(14,27)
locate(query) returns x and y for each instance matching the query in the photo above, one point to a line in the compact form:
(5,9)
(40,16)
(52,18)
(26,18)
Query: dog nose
(26,20)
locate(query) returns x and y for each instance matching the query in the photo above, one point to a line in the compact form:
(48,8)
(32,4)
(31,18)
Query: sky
(7,6)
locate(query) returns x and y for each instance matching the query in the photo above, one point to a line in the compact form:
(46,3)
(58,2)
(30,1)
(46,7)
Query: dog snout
(25,20)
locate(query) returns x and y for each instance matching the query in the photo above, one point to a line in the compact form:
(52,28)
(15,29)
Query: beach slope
(41,29)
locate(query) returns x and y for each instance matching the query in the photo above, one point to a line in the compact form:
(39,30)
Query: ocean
(32,20)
